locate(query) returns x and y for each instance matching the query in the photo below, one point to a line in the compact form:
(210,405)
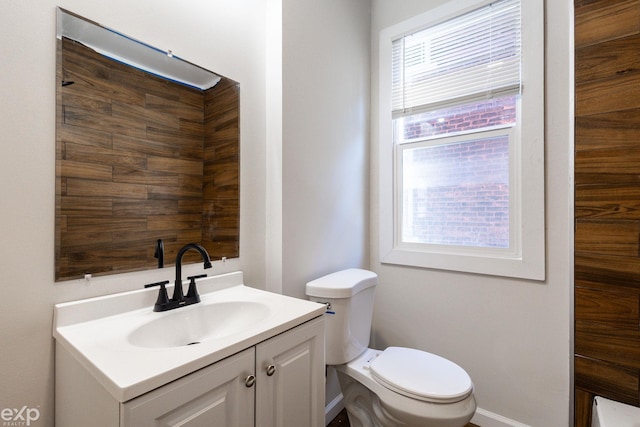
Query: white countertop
(95,331)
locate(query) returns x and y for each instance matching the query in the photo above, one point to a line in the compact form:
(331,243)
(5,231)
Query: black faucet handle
(163,299)
(192,293)
(161,284)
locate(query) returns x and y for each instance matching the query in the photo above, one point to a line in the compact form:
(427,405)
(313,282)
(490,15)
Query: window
(461,139)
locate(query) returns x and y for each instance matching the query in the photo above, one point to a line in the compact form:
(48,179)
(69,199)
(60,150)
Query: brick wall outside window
(493,112)
(458,193)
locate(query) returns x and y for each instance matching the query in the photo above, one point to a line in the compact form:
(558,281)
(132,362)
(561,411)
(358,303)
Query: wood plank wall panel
(221,187)
(130,167)
(607,203)
(583,402)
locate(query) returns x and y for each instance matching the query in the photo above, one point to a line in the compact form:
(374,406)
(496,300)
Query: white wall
(225,36)
(512,336)
(325,144)
(325,148)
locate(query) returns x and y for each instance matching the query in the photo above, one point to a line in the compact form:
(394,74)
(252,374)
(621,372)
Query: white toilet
(608,413)
(395,387)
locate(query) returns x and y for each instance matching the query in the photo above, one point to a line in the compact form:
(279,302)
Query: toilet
(385,388)
(609,413)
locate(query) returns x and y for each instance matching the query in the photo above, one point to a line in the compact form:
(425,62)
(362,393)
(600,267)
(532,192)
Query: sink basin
(198,323)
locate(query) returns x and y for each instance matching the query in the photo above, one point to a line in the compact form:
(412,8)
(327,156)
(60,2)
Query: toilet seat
(421,375)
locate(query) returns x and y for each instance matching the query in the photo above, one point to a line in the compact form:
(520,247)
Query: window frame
(526,259)
(443,140)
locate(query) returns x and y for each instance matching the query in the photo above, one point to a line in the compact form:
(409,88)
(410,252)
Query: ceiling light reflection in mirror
(140,55)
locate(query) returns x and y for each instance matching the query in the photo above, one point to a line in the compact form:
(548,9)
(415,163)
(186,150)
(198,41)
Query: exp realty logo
(19,416)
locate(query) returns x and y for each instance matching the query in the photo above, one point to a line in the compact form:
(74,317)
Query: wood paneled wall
(221,192)
(607,203)
(140,158)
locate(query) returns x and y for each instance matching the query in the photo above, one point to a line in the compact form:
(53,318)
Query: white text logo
(19,417)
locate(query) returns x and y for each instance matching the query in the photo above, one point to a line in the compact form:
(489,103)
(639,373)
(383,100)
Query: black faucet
(163,302)
(192,294)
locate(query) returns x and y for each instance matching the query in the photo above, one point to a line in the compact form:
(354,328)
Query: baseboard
(486,418)
(333,408)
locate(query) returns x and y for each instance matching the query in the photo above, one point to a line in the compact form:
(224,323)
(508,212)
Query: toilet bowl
(608,413)
(383,388)
(372,402)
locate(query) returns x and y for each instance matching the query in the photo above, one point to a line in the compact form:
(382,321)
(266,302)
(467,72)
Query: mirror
(147,148)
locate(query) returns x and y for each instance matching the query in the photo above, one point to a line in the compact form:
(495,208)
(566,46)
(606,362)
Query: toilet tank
(350,295)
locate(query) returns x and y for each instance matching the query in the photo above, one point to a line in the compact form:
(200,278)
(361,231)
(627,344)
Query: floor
(343,421)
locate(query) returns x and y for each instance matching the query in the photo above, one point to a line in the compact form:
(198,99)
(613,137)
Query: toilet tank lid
(342,284)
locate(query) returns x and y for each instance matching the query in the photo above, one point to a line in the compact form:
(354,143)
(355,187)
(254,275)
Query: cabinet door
(290,378)
(215,396)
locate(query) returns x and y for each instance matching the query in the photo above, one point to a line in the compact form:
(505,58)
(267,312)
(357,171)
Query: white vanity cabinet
(279,383)
(213,396)
(242,357)
(290,378)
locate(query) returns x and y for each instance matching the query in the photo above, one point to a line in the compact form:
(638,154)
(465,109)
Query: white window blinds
(471,57)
